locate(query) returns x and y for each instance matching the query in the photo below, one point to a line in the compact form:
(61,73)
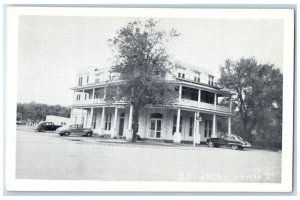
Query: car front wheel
(234,147)
(89,134)
(211,144)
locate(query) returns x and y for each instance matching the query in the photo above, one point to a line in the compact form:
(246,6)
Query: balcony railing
(183,102)
(202,105)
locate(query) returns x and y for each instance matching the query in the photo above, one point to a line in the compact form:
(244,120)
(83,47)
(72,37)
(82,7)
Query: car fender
(234,143)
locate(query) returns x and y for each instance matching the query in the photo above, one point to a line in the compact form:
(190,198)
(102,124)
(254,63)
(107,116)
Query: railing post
(215,102)
(93,94)
(230,105)
(180,93)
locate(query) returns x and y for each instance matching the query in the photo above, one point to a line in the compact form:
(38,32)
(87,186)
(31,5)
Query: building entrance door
(121,124)
(155,128)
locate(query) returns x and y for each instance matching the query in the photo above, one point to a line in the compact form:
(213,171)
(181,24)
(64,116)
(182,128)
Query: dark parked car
(46,126)
(74,129)
(234,141)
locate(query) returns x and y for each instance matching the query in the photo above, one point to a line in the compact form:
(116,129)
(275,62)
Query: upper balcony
(189,98)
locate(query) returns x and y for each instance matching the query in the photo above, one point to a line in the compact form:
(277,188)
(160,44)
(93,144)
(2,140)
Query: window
(207,97)
(179,75)
(80,81)
(137,126)
(97,79)
(195,78)
(99,93)
(156,125)
(210,80)
(183,75)
(108,121)
(87,78)
(207,128)
(191,130)
(174,124)
(82,121)
(190,93)
(91,95)
(198,79)
(156,115)
(85,96)
(78,97)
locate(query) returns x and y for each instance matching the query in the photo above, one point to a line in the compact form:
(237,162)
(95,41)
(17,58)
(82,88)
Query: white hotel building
(193,118)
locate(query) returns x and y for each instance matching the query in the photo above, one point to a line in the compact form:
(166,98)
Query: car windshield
(239,138)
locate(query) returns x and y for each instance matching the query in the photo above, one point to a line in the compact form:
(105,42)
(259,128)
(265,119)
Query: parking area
(49,156)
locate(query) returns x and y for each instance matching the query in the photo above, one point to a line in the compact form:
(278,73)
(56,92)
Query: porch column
(115,128)
(80,117)
(91,118)
(101,129)
(74,99)
(180,93)
(214,134)
(229,125)
(129,129)
(177,134)
(71,115)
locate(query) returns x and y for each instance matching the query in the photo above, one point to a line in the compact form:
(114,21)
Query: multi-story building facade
(193,118)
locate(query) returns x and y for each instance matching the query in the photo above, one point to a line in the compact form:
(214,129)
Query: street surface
(49,156)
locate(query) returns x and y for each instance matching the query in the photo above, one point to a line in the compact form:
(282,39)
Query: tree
(257,90)
(35,112)
(141,62)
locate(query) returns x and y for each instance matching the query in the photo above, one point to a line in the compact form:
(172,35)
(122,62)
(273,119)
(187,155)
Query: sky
(51,49)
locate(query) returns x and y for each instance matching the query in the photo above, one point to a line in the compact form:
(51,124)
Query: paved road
(49,156)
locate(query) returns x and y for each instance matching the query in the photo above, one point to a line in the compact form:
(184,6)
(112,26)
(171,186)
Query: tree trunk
(135,121)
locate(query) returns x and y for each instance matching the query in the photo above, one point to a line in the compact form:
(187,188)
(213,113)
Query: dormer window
(80,81)
(183,75)
(179,75)
(210,80)
(97,79)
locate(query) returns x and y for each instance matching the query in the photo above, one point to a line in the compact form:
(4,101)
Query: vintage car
(46,126)
(233,141)
(74,129)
